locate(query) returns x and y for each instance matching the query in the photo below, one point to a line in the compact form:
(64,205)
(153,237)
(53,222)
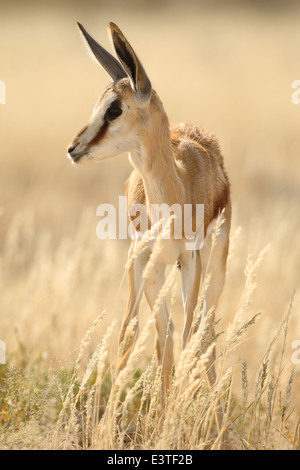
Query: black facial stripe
(112,113)
(100,134)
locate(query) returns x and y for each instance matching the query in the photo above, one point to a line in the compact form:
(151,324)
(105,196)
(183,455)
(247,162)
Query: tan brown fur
(201,167)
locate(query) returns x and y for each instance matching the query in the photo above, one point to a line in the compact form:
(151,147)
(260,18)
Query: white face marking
(119,135)
(90,153)
(96,120)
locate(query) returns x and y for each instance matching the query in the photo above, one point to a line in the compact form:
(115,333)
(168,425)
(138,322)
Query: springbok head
(125,104)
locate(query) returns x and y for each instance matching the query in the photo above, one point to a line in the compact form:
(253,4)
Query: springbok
(178,164)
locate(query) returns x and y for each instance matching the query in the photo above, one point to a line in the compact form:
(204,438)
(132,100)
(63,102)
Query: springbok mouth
(77,157)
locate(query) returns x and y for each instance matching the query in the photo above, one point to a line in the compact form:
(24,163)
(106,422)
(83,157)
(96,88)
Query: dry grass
(233,73)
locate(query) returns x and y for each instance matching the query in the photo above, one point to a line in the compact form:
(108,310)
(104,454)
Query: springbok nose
(72,148)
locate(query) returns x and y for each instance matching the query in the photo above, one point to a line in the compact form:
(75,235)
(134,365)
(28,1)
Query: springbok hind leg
(213,261)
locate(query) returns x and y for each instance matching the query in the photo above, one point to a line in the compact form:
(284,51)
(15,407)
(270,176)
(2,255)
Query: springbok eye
(113,111)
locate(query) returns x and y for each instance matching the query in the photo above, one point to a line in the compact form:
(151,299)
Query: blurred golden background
(226,65)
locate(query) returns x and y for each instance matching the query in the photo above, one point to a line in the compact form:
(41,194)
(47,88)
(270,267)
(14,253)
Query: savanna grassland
(63,292)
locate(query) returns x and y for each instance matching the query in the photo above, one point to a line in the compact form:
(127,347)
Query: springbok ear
(106,60)
(140,82)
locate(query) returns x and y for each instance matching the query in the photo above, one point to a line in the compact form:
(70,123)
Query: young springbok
(181,164)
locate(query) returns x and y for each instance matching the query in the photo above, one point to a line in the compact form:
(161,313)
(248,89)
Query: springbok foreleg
(164,325)
(136,265)
(190,264)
